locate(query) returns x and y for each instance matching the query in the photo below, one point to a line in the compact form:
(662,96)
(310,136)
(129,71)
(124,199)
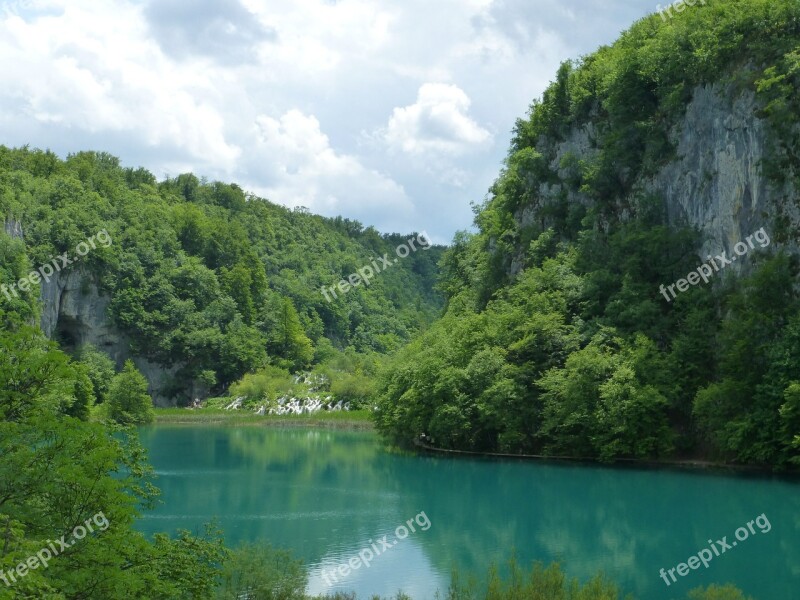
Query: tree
(790,422)
(236,282)
(287,339)
(34,375)
(100,367)
(84,396)
(260,572)
(58,473)
(128,400)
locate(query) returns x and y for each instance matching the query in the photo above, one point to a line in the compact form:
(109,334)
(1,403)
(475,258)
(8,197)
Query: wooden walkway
(685,464)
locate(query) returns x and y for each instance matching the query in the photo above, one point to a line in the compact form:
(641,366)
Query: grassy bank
(356,419)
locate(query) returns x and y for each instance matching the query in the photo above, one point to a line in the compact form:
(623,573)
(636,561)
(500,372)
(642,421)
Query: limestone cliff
(714,183)
(75,312)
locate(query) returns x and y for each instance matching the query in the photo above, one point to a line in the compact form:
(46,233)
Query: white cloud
(306,171)
(107,79)
(227,89)
(436,123)
(222,30)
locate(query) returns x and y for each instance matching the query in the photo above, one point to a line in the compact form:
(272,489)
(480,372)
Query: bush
(260,572)
(354,388)
(717,592)
(101,369)
(128,400)
(540,583)
(264,385)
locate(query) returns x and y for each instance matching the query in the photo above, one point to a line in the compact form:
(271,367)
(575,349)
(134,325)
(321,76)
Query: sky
(395,113)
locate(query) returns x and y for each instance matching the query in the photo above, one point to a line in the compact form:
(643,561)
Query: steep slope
(642,163)
(196,281)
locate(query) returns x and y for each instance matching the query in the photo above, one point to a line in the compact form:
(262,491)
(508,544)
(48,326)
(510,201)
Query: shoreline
(692,465)
(361,421)
(354,420)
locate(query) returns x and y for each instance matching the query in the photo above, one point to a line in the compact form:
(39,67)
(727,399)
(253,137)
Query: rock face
(715,183)
(13,229)
(75,312)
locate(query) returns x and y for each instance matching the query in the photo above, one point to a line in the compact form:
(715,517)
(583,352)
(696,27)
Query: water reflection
(326,493)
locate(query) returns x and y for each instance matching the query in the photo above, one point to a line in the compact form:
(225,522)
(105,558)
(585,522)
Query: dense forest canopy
(542,335)
(204,278)
(556,340)
(221,287)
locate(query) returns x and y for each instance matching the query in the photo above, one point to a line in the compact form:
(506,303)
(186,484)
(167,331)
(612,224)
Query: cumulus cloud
(223,30)
(306,171)
(64,81)
(585,22)
(274,95)
(436,123)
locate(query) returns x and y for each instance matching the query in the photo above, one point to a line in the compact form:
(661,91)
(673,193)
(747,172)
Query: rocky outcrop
(75,312)
(13,228)
(715,183)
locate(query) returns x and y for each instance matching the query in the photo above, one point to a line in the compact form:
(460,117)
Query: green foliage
(58,472)
(790,422)
(128,400)
(266,573)
(745,411)
(539,583)
(203,278)
(556,339)
(718,592)
(16,306)
(262,573)
(580,356)
(36,375)
(355,388)
(264,385)
(83,393)
(288,340)
(187,565)
(100,369)
(777,89)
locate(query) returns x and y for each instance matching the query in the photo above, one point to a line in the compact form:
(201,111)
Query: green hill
(640,164)
(199,282)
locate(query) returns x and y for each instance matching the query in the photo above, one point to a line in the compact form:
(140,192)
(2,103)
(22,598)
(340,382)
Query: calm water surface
(329,494)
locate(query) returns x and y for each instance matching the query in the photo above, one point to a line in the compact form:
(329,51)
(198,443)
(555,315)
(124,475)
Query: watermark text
(367,273)
(371,552)
(43,557)
(46,271)
(717,548)
(705,272)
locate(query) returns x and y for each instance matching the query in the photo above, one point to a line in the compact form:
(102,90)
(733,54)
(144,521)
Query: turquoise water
(329,495)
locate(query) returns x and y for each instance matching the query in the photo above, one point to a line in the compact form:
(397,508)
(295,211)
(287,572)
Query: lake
(329,495)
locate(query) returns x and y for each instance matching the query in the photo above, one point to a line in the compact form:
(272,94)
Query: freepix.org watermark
(371,552)
(705,271)
(718,548)
(46,271)
(365,274)
(678,6)
(43,557)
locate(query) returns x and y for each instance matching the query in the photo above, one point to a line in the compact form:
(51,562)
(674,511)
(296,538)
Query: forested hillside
(203,281)
(558,338)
